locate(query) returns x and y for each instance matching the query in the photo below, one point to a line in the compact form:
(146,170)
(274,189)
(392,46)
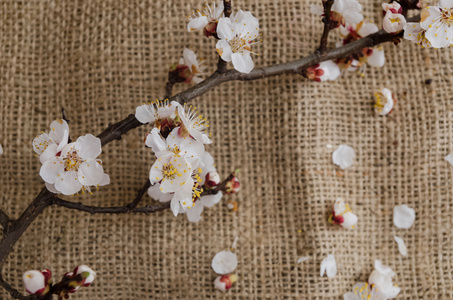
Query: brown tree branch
(13,292)
(140,194)
(327,4)
(222,65)
(4,219)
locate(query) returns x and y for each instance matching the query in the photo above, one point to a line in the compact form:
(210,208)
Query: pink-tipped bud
(232,186)
(212,179)
(37,282)
(393,7)
(225,282)
(327,70)
(210,29)
(87,274)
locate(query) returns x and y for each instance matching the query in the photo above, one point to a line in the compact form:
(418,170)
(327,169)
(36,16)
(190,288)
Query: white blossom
(381,278)
(393,23)
(195,67)
(236,35)
(403,216)
(343,156)
(437,20)
(201,19)
(363,291)
(384,101)
(326,70)
(224,262)
(156,111)
(342,215)
(401,245)
(68,168)
(37,282)
(193,124)
(329,266)
(350,9)
(415,33)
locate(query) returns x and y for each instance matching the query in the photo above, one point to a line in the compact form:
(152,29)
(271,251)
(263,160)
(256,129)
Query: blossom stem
(327,20)
(220,187)
(110,210)
(222,65)
(140,194)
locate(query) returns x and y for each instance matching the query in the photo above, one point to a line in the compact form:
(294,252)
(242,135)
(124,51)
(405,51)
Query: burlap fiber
(100,59)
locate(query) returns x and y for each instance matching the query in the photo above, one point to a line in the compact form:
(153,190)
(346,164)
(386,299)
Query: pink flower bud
(225,282)
(87,274)
(37,282)
(327,70)
(393,7)
(232,186)
(212,179)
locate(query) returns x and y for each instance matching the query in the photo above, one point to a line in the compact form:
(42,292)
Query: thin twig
(140,194)
(168,88)
(327,25)
(227,8)
(109,210)
(222,65)
(4,219)
(220,187)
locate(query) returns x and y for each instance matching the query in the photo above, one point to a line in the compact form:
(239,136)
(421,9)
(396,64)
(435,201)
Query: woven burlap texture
(101,59)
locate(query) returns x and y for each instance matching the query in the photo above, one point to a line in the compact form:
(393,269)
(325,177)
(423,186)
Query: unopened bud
(232,186)
(212,179)
(37,282)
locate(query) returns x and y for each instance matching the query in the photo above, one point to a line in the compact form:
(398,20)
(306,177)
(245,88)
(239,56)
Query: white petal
(34,281)
(190,58)
(449,158)
(224,262)
(194,213)
(383,269)
(316,10)
(211,200)
(184,194)
(302,259)
(174,205)
(401,245)
(197,23)
(440,37)
(411,31)
(351,296)
(331,70)
(50,152)
(88,147)
(224,50)
(155,141)
(403,216)
(393,23)
(377,58)
(105,180)
(83,268)
(51,168)
(90,173)
(57,131)
(51,188)
(350,220)
(1,150)
(339,206)
(429,16)
(224,29)
(242,62)
(67,183)
(445,4)
(329,266)
(219,284)
(145,113)
(41,142)
(367,29)
(343,156)
(183,172)
(155,193)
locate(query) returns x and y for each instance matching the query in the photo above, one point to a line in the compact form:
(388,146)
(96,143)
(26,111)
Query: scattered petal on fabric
(381,277)
(384,101)
(225,282)
(1,150)
(343,156)
(449,158)
(403,216)
(401,245)
(224,262)
(363,291)
(329,266)
(342,215)
(302,259)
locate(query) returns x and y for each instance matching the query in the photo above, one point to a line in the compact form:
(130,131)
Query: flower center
(169,172)
(447,17)
(72,161)
(239,44)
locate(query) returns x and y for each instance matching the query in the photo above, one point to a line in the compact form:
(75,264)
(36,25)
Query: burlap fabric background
(100,59)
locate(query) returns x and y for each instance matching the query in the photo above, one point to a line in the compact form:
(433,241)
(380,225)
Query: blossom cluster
(236,34)
(40,282)
(183,172)
(69,167)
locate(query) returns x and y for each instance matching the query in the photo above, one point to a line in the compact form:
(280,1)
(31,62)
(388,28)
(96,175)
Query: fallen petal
(403,216)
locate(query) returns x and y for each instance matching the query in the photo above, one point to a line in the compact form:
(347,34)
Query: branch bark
(327,25)
(4,219)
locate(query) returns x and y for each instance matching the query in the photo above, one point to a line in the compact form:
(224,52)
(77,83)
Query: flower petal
(401,245)
(343,156)
(329,266)
(350,220)
(41,142)
(441,36)
(194,213)
(367,29)
(174,205)
(51,188)
(50,152)
(448,158)
(429,16)
(377,58)
(51,168)
(57,131)
(224,50)
(403,216)
(155,141)
(197,23)
(224,262)
(88,147)
(68,183)
(145,113)
(105,180)
(242,62)
(182,175)
(90,173)
(224,30)
(210,200)
(155,193)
